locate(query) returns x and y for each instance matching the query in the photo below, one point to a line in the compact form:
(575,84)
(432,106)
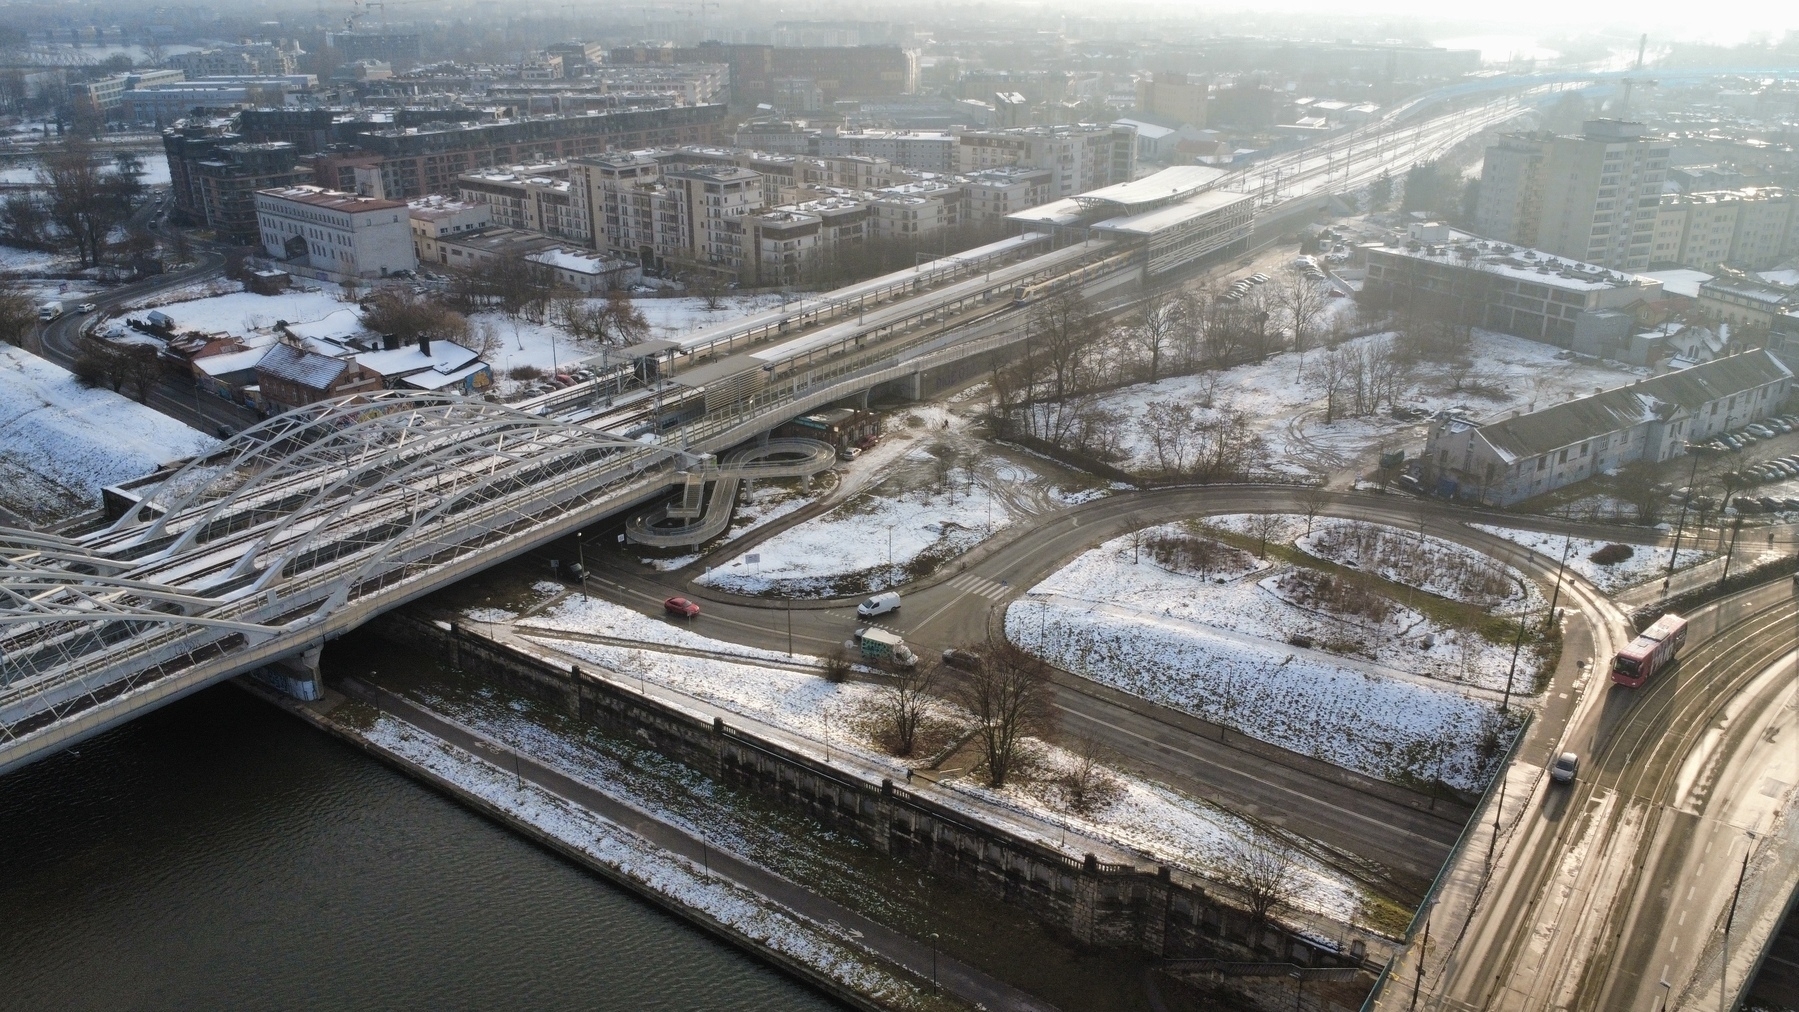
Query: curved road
(1394,840)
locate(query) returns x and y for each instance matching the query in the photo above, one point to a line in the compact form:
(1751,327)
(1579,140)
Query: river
(221,854)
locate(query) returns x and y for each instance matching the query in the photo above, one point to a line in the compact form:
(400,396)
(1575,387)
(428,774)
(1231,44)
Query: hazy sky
(1727,21)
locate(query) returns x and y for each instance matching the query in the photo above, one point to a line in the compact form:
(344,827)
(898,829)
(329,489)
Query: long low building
(1499,286)
(1502,462)
(1176,216)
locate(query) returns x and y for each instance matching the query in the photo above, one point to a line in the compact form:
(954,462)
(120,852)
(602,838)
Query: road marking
(1674,946)
(969,583)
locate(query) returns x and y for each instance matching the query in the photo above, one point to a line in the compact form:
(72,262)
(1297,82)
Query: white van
(880,604)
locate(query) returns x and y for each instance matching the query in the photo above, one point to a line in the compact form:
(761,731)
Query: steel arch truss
(291,519)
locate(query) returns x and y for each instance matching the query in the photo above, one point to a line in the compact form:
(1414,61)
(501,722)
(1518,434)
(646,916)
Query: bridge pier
(917,386)
(297,676)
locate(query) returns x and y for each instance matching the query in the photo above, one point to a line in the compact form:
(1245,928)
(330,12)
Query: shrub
(526,372)
(1611,555)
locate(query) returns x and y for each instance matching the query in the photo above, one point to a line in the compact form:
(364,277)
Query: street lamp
(933,960)
(1692,476)
(581,559)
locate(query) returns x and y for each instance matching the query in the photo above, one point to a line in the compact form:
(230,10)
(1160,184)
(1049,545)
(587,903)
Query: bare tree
(1635,484)
(1084,784)
(18,317)
(1007,694)
(1301,300)
(899,708)
(837,664)
(1159,321)
(1328,373)
(1312,500)
(84,202)
(1265,869)
(1063,326)
(1263,526)
(410,317)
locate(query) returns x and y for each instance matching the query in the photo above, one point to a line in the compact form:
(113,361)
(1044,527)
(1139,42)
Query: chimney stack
(424,345)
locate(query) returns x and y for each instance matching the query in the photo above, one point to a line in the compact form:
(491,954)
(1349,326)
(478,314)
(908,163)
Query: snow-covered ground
(1286,407)
(826,947)
(1147,819)
(63,442)
(1646,561)
(1422,561)
(13,258)
(918,517)
(1218,646)
(244,312)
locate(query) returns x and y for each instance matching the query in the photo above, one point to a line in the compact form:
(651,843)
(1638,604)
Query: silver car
(1565,766)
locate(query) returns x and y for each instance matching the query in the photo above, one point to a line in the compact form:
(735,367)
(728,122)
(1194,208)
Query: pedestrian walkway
(969,583)
(920,958)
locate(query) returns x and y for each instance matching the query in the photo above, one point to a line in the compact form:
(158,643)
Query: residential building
(579,59)
(1743,300)
(105,94)
(642,211)
(914,149)
(339,234)
(996,193)
(1507,461)
(1510,206)
(538,198)
(1080,158)
(429,158)
(402,49)
(1178,98)
(1753,228)
(1496,285)
(434,217)
(394,363)
(165,103)
(254,59)
(214,177)
(917,210)
(545,67)
(1600,194)
(841,72)
(292,377)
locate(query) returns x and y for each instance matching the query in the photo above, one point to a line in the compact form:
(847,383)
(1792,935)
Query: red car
(680,606)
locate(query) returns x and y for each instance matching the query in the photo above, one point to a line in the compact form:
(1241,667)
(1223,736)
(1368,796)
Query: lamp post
(581,558)
(1505,704)
(1692,475)
(933,960)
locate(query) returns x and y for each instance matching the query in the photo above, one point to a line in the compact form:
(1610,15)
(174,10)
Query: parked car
(681,606)
(1760,431)
(1259,278)
(880,604)
(849,453)
(1790,503)
(1564,768)
(1770,504)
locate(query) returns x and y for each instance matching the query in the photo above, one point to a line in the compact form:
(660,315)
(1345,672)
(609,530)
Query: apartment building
(1178,98)
(1079,158)
(659,215)
(1600,194)
(917,210)
(253,59)
(1510,207)
(215,184)
(1753,228)
(995,193)
(928,151)
(539,198)
(340,234)
(1743,300)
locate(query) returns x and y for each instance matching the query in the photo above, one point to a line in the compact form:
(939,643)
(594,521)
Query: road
(1601,891)
(60,340)
(1392,839)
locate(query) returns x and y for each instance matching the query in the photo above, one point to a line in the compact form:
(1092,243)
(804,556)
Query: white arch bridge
(298,530)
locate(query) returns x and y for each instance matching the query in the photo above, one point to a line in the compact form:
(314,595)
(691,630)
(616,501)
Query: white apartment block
(686,215)
(995,193)
(914,149)
(537,198)
(339,234)
(1753,228)
(1600,195)
(1079,158)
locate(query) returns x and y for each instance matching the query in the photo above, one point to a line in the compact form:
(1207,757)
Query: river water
(221,854)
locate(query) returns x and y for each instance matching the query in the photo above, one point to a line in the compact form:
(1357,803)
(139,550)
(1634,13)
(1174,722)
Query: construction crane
(1630,81)
(362,8)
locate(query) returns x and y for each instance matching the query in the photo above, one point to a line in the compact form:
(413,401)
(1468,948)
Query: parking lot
(1748,471)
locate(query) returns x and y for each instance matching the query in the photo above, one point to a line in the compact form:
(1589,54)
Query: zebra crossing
(969,583)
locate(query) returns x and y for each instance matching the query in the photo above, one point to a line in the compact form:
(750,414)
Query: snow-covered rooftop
(443,356)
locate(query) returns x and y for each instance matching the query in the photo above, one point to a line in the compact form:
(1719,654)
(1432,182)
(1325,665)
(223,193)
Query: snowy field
(918,517)
(1286,406)
(242,312)
(825,947)
(63,442)
(1646,562)
(1147,819)
(1382,694)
